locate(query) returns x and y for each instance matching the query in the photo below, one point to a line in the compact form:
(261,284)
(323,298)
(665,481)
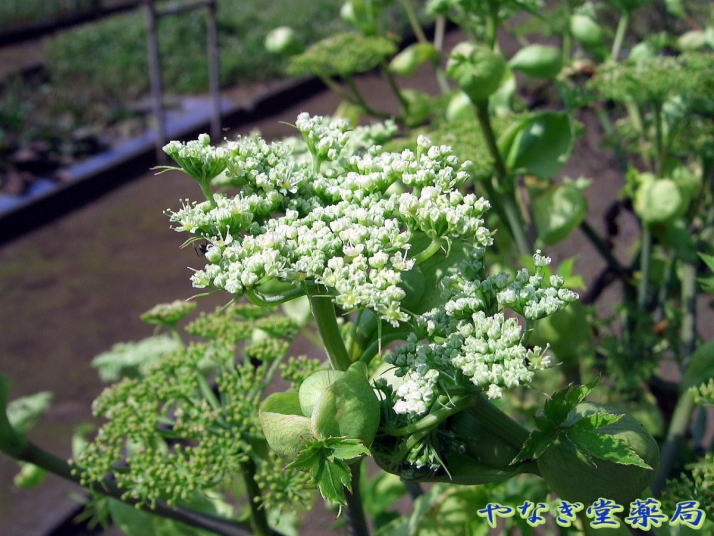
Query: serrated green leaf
(596,420)
(344,448)
(309,458)
(605,447)
(561,403)
(333,478)
(536,444)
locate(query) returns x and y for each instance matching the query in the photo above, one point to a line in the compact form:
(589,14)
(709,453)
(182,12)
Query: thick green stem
(507,200)
(622,25)
(498,422)
(324,312)
(258,519)
(336,89)
(33,454)
(356,520)
(659,140)
(441,80)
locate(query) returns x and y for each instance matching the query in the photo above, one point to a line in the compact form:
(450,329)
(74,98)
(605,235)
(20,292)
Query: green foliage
(342,54)
(168,314)
(327,462)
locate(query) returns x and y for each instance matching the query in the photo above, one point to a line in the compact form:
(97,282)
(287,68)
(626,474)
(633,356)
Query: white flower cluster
(536,295)
(340,224)
(469,340)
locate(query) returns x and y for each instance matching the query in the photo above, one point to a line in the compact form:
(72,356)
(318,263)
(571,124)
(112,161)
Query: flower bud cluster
(470,341)
(532,295)
(198,158)
(339,224)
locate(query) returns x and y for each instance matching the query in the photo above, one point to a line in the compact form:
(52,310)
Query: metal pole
(214,76)
(155,76)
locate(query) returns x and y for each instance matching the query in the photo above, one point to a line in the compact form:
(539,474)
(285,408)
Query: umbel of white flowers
(338,211)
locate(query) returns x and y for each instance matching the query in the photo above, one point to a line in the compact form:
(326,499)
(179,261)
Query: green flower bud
(347,408)
(586,31)
(285,427)
(574,479)
(538,61)
(406,62)
(313,387)
(477,70)
(282,40)
(657,200)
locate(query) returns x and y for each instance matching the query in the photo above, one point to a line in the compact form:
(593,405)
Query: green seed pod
(285,427)
(538,61)
(586,31)
(658,201)
(348,407)
(477,70)
(282,40)
(407,61)
(576,480)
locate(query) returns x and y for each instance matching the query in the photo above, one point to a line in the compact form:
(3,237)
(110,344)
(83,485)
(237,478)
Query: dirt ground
(73,288)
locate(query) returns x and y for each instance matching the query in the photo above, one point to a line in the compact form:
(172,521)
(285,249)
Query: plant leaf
(605,447)
(344,448)
(332,480)
(596,420)
(562,403)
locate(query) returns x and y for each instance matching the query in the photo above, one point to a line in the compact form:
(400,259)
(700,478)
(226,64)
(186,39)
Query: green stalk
(622,25)
(257,298)
(33,454)
(374,347)
(433,419)
(659,139)
(360,100)
(356,520)
(336,89)
(440,26)
(324,312)
(685,405)
(208,193)
(258,519)
(395,87)
(492,25)
(414,21)
(645,258)
(431,250)
(508,201)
